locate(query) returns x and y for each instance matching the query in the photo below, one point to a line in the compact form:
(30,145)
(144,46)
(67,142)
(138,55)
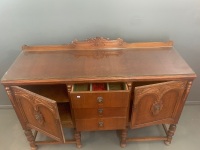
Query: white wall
(36,22)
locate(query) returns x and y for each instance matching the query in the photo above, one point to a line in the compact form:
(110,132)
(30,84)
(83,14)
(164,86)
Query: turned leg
(77,136)
(30,138)
(123,138)
(170,133)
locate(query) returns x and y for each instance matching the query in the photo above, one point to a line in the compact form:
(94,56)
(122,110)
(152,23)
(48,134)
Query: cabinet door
(156,103)
(39,113)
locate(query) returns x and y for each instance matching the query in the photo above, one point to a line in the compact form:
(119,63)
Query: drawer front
(88,113)
(100,99)
(101,124)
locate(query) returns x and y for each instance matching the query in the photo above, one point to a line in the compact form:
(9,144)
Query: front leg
(31,139)
(170,133)
(77,136)
(123,138)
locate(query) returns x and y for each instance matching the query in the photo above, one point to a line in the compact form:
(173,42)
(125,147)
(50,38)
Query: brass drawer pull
(100,110)
(100,99)
(101,124)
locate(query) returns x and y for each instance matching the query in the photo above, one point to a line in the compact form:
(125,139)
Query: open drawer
(99,87)
(100,94)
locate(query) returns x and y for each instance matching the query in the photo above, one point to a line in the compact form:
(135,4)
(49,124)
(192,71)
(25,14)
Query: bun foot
(78,146)
(167,143)
(123,145)
(34,148)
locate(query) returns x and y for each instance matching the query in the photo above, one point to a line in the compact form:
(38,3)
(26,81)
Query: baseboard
(192,102)
(6,106)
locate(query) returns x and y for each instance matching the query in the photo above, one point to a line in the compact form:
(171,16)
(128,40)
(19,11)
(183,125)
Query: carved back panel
(39,113)
(156,102)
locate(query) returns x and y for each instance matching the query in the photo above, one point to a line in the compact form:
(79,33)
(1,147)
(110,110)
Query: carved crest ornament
(98,42)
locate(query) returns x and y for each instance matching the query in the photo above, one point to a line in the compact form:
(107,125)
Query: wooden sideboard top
(111,64)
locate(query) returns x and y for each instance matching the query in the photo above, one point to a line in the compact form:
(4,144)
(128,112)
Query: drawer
(100,99)
(88,113)
(101,124)
(112,96)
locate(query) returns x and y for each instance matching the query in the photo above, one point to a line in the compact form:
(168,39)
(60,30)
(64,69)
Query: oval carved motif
(156,107)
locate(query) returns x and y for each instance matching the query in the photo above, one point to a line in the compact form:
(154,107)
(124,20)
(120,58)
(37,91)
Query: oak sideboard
(98,84)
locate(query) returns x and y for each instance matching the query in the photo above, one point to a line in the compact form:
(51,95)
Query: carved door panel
(156,103)
(39,113)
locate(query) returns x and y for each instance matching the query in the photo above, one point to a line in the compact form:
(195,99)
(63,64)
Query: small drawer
(100,99)
(101,124)
(111,95)
(88,113)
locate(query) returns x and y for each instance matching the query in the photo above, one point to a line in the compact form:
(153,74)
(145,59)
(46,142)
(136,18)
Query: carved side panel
(16,108)
(39,112)
(180,108)
(156,102)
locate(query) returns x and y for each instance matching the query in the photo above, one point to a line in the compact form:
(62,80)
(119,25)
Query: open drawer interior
(65,115)
(113,86)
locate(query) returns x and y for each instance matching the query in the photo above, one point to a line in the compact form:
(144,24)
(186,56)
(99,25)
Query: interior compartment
(117,86)
(55,92)
(142,83)
(65,115)
(113,86)
(99,86)
(81,87)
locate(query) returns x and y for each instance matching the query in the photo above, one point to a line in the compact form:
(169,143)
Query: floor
(187,135)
